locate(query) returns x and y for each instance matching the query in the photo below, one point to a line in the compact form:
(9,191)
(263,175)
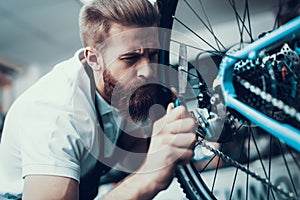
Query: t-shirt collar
(104,107)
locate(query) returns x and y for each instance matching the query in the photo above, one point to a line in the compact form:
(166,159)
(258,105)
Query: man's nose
(145,68)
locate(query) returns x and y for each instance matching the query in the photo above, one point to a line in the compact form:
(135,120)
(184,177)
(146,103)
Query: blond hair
(96,17)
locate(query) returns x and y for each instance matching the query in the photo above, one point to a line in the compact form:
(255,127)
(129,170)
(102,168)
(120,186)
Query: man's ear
(93,58)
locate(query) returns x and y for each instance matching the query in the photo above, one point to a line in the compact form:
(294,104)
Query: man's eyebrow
(153,50)
(140,52)
(137,51)
(132,53)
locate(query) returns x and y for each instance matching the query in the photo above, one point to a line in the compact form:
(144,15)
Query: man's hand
(171,144)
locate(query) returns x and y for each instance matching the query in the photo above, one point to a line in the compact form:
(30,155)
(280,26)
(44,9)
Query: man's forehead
(130,39)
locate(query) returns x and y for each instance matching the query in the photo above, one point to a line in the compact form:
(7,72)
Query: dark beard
(133,100)
(109,84)
(141,101)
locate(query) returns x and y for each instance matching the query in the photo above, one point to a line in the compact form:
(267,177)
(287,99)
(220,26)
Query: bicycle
(253,96)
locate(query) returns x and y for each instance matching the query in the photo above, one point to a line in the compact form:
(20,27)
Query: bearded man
(93,112)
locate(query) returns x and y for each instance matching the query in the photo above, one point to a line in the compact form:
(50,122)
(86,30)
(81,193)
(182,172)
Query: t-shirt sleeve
(49,142)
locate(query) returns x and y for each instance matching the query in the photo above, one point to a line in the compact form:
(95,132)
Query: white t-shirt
(51,129)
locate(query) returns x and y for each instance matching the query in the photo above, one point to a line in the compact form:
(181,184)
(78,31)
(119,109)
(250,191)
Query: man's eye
(153,54)
(130,58)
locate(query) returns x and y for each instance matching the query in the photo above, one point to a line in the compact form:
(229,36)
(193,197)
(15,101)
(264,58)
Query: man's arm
(37,187)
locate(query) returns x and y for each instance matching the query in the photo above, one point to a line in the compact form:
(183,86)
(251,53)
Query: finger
(174,90)
(182,156)
(170,107)
(163,124)
(176,113)
(180,126)
(183,140)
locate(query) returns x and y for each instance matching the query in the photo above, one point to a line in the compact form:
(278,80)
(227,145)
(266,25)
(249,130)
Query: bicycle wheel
(238,156)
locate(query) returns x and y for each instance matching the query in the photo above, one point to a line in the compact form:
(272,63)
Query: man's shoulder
(61,85)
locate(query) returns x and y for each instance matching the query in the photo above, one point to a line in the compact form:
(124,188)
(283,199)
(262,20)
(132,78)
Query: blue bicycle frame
(284,132)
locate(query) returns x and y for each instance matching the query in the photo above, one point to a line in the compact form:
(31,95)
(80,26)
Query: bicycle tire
(185,173)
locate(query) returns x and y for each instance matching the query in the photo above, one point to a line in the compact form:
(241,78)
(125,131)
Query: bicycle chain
(236,164)
(288,110)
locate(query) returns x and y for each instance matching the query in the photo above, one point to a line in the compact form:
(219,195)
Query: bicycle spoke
(260,157)
(248,162)
(246,12)
(293,156)
(236,170)
(204,168)
(248,17)
(269,170)
(277,19)
(208,27)
(216,172)
(196,34)
(287,167)
(217,41)
(217,53)
(239,19)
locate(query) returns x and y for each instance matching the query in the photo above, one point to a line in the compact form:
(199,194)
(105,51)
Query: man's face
(129,70)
